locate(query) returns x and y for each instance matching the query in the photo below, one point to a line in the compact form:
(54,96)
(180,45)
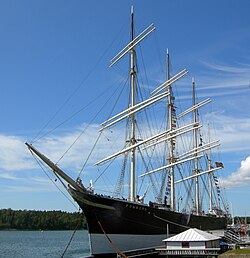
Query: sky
(54,58)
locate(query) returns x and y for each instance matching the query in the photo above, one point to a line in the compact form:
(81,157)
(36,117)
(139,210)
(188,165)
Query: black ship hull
(116,224)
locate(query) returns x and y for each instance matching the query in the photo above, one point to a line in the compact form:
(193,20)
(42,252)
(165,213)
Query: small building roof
(192,235)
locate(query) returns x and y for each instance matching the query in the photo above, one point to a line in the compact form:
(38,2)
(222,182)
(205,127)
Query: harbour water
(43,244)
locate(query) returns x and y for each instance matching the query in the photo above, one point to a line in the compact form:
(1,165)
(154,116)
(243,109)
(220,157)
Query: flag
(219,164)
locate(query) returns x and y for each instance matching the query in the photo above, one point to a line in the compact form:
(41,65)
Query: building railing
(213,251)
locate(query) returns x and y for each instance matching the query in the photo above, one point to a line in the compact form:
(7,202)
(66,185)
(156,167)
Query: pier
(145,253)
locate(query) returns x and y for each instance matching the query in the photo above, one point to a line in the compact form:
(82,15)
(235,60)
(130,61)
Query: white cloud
(239,178)
(239,69)
(232,79)
(49,188)
(14,155)
(12,177)
(233,132)
(9,176)
(72,149)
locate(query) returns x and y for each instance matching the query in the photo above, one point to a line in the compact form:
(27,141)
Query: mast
(133,108)
(210,177)
(196,165)
(132,85)
(171,157)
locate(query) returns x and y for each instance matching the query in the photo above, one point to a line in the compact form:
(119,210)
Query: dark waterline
(43,244)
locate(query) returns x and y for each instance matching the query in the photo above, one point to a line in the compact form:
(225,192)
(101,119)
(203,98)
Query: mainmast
(196,165)
(171,157)
(132,85)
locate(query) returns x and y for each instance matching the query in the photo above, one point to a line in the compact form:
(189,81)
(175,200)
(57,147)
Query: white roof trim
(192,235)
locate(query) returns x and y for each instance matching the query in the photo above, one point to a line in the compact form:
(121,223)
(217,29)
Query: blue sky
(54,58)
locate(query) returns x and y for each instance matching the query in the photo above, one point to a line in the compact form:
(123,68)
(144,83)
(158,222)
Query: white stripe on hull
(101,245)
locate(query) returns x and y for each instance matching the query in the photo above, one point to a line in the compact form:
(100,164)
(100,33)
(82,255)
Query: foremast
(133,107)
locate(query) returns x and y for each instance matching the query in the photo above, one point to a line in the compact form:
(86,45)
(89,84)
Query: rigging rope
(80,217)
(92,120)
(171,222)
(40,165)
(110,241)
(103,171)
(154,188)
(119,189)
(85,163)
(38,136)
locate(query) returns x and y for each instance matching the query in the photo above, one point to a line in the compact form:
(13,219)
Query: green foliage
(41,220)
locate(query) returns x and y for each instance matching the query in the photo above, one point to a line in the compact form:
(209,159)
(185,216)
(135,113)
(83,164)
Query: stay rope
(82,132)
(40,165)
(80,218)
(80,85)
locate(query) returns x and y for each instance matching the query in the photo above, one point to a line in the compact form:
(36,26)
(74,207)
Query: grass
(238,251)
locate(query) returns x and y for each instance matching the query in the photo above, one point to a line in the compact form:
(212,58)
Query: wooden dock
(148,252)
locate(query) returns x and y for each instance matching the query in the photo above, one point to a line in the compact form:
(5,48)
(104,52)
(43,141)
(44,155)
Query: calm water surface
(52,244)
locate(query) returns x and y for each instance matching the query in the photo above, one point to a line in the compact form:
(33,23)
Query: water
(35,244)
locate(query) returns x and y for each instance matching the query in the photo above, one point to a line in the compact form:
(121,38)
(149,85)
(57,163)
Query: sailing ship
(187,174)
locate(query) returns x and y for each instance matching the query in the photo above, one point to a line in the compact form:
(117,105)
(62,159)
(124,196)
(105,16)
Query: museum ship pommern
(185,174)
